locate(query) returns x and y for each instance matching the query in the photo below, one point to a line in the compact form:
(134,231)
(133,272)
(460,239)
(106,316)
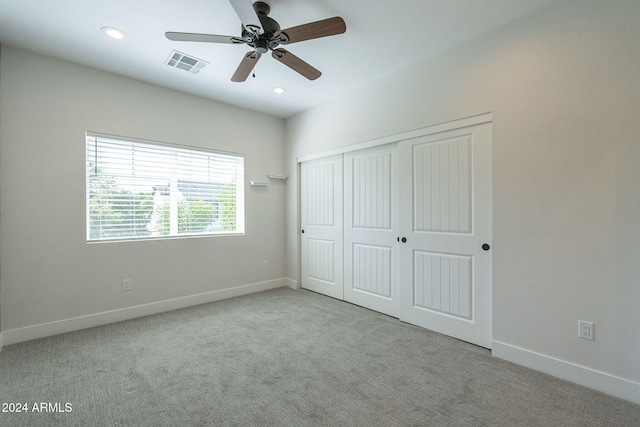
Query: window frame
(92,138)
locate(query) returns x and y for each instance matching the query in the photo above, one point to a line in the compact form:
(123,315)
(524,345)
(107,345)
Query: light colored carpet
(285,358)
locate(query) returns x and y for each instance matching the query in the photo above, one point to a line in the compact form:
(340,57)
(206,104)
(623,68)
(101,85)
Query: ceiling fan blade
(206,38)
(248,15)
(246,66)
(312,30)
(296,64)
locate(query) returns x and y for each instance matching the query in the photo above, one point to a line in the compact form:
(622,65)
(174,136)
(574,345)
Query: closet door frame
(399,138)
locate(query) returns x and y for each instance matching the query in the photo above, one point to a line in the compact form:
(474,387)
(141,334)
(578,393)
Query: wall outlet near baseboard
(126,284)
(585,330)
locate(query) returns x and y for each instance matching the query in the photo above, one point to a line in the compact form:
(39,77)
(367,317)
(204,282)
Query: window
(140,189)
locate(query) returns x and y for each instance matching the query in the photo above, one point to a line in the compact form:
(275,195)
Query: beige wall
(564,89)
(49,272)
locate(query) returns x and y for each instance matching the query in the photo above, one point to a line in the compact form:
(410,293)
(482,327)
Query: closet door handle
(486,247)
(302,231)
(404,240)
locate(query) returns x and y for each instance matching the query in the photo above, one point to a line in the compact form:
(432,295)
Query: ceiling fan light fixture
(114,33)
(279,90)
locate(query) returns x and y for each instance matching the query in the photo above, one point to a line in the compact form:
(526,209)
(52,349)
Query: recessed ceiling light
(114,33)
(279,90)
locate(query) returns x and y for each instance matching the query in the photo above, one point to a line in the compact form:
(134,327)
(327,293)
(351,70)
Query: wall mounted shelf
(258,183)
(274,176)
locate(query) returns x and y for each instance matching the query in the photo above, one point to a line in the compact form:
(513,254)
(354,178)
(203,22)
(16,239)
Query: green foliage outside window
(227,195)
(119,213)
(193,217)
(115,212)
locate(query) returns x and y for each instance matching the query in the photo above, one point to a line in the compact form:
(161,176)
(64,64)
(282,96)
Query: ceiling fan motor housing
(263,42)
(261,8)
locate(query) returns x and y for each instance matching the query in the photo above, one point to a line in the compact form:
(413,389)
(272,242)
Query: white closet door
(446,219)
(321,220)
(371,226)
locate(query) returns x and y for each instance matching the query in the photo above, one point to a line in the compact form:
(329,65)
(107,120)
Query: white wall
(564,89)
(49,272)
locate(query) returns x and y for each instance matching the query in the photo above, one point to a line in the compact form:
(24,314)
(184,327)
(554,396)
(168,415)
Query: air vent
(185,62)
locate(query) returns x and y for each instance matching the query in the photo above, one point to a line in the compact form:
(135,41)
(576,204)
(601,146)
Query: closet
(403,226)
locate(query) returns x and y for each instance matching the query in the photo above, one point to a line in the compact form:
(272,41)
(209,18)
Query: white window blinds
(139,189)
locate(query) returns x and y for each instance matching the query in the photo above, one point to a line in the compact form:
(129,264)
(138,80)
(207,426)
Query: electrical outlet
(126,284)
(264,265)
(585,330)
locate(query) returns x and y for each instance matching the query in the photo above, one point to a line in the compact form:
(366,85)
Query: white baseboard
(290,283)
(13,336)
(591,378)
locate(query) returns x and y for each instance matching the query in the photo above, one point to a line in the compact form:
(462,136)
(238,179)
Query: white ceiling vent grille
(185,62)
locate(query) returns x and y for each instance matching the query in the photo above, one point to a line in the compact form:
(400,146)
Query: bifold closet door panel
(371,225)
(445,267)
(321,210)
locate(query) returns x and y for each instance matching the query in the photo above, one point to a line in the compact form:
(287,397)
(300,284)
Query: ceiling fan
(263,34)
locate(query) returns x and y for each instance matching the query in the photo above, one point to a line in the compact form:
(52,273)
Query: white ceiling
(382,37)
